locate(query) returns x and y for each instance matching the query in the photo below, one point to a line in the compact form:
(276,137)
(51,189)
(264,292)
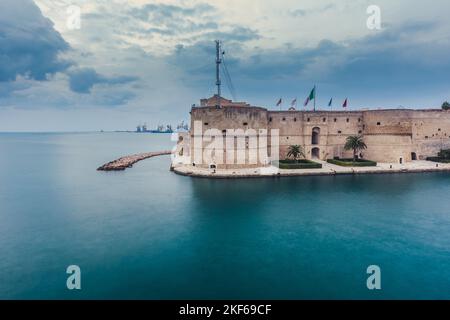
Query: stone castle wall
(391,135)
(220,120)
(430,132)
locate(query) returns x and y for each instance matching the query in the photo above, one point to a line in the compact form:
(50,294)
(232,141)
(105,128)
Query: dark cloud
(267,64)
(203,48)
(402,57)
(29,45)
(82,80)
(396,59)
(30,48)
(393,58)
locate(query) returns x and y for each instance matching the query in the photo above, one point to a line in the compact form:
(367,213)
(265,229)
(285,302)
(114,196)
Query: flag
(345,103)
(279,102)
(294,102)
(306,101)
(331,102)
(311,96)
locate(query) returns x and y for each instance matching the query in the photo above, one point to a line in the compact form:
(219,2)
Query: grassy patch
(351,163)
(298,164)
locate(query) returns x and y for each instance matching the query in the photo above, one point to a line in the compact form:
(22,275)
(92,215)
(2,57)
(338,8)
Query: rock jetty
(128,161)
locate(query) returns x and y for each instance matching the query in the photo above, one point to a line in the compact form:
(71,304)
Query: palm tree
(355,143)
(295,151)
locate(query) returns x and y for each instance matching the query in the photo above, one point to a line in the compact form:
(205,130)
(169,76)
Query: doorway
(315,153)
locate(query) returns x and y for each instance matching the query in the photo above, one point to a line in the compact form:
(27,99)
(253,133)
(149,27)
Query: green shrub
(298,164)
(442,157)
(351,163)
(444,154)
(446,105)
(438,159)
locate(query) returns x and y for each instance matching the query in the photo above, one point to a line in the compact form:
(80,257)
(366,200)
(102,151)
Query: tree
(295,151)
(355,143)
(446,105)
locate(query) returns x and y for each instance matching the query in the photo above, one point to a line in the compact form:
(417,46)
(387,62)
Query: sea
(148,233)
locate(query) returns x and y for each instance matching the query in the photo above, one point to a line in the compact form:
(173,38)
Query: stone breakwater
(128,161)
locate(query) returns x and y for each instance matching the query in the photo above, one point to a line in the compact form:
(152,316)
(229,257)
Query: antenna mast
(218,62)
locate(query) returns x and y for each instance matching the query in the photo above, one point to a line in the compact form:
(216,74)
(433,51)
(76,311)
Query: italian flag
(311,96)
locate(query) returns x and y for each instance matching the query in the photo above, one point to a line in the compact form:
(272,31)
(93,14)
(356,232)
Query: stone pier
(128,161)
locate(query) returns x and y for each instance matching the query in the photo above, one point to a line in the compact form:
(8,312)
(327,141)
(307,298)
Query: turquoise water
(148,233)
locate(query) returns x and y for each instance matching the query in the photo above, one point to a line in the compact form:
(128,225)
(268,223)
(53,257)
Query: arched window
(315,135)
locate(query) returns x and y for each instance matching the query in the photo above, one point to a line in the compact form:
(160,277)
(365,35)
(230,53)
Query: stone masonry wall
(391,135)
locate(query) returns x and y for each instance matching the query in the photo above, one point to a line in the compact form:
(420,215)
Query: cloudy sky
(149,61)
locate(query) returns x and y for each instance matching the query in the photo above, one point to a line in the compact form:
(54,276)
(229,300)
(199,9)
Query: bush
(446,105)
(298,164)
(438,159)
(350,163)
(442,157)
(444,154)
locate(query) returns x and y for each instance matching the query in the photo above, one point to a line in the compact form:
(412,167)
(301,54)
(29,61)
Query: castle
(391,135)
